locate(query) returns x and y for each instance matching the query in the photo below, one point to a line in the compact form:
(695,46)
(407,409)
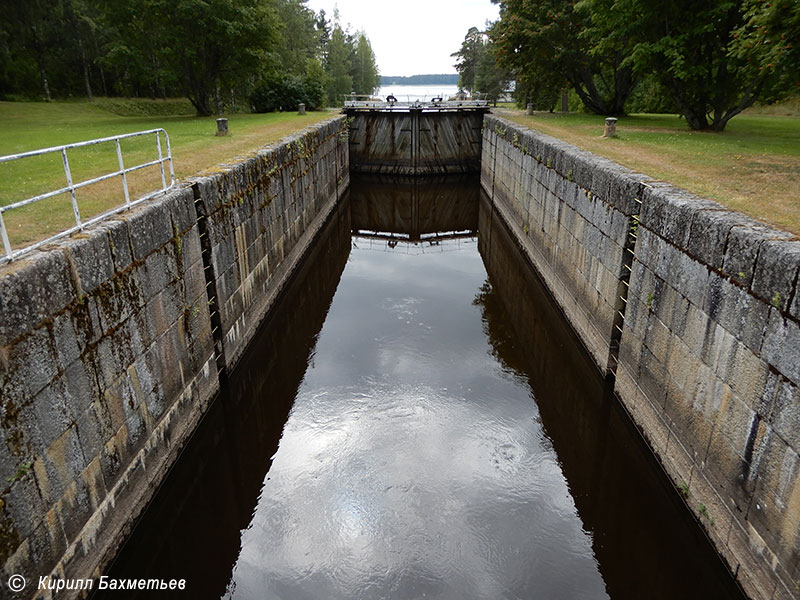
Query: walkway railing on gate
(71,186)
(412,102)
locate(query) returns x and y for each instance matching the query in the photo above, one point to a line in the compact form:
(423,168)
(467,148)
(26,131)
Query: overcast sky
(412,37)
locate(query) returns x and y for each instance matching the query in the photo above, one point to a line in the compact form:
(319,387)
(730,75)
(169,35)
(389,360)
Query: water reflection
(429,209)
(646,543)
(192,529)
(413,464)
(441,435)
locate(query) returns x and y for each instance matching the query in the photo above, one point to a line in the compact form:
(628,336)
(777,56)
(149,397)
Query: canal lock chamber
(138,324)
(415,418)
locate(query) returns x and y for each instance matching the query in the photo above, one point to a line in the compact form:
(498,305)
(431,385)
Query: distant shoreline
(437,79)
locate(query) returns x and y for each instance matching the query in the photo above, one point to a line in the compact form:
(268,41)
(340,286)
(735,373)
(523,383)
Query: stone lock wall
(107,361)
(572,209)
(262,215)
(709,366)
(694,311)
(111,345)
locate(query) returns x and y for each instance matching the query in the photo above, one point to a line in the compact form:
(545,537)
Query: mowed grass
(752,167)
(195,148)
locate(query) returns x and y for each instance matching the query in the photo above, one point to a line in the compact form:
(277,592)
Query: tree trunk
(100,66)
(37,44)
(695,115)
(200,101)
(696,120)
(624,84)
(695,110)
(218,98)
(747,100)
(45,85)
(85,72)
(584,86)
(583,83)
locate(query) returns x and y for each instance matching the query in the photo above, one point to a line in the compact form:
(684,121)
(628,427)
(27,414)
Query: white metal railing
(71,186)
(440,102)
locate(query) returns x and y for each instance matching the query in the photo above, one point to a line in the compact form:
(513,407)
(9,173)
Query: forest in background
(707,61)
(437,79)
(223,55)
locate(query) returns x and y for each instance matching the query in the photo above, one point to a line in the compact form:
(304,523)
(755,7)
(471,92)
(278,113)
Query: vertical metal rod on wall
(161,161)
(71,187)
(122,172)
(4,234)
(169,156)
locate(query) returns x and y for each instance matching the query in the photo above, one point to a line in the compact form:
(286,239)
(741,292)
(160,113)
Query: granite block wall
(262,214)
(113,342)
(107,363)
(692,309)
(559,200)
(709,366)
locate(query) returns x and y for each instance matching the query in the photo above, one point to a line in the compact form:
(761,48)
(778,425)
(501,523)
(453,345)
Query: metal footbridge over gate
(356,102)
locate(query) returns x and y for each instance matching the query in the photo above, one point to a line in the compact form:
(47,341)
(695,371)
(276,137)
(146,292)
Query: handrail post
(4,234)
(71,187)
(122,172)
(169,156)
(161,161)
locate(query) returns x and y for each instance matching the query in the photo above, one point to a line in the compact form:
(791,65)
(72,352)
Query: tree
(350,64)
(364,71)
(323,35)
(286,92)
(316,84)
(79,24)
(298,38)
(542,40)
(340,83)
(212,51)
(491,79)
(541,88)
(715,58)
(205,46)
(769,42)
(30,30)
(468,57)
(478,67)
(685,44)
(212,43)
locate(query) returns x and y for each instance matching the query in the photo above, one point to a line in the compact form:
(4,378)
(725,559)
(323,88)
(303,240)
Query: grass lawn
(32,125)
(752,167)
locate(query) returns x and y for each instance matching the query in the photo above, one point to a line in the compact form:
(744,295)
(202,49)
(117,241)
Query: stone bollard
(222,126)
(301,108)
(529,109)
(611,127)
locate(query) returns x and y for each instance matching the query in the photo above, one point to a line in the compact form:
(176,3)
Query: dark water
(407,426)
